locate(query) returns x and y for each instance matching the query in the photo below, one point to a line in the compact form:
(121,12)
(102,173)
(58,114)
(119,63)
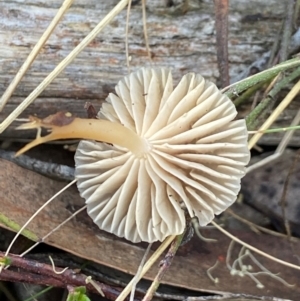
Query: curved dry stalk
(280,148)
(272,84)
(62,65)
(196,226)
(54,269)
(53,230)
(164,267)
(35,214)
(285,102)
(35,51)
(288,136)
(95,285)
(146,267)
(234,238)
(136,277)
(210,276)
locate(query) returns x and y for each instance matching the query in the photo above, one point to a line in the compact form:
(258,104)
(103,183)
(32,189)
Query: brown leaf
(22,192)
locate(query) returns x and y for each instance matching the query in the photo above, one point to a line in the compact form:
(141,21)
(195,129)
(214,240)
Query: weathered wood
(180,37)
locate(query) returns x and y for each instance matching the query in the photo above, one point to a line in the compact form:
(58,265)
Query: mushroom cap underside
(196,157)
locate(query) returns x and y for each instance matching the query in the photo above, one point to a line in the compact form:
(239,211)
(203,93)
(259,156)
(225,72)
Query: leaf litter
(19,204)
(82,238)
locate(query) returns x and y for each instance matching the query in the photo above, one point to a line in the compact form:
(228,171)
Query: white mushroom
(172,151)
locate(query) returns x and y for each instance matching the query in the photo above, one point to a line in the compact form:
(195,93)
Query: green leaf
(79,294)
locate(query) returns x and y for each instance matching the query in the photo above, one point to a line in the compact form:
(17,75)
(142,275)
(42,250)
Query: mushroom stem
(65,126)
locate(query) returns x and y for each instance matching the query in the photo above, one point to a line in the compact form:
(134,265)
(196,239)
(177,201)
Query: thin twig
(95,285)
(280,148)
(230,296)
(288,136)
(137,276)
(209,270)
(32,271)
(48,169)
(147,266)
(165,264)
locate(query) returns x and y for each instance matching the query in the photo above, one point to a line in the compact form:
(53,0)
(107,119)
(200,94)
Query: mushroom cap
(196,159)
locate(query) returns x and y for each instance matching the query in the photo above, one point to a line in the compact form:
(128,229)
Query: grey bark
(181,37)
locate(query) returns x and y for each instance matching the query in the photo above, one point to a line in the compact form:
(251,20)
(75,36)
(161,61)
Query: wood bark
(181,36)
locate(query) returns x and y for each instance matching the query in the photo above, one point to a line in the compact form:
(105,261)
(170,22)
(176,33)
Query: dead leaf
(22,192)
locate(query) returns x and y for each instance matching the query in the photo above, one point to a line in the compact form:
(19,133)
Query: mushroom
(165,153)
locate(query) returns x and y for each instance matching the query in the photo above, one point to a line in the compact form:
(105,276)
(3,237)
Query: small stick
(138,272)
(280,148)
(48,169)
(35,51)
(32,271)
(230,296)
(146,267)
(166,263)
